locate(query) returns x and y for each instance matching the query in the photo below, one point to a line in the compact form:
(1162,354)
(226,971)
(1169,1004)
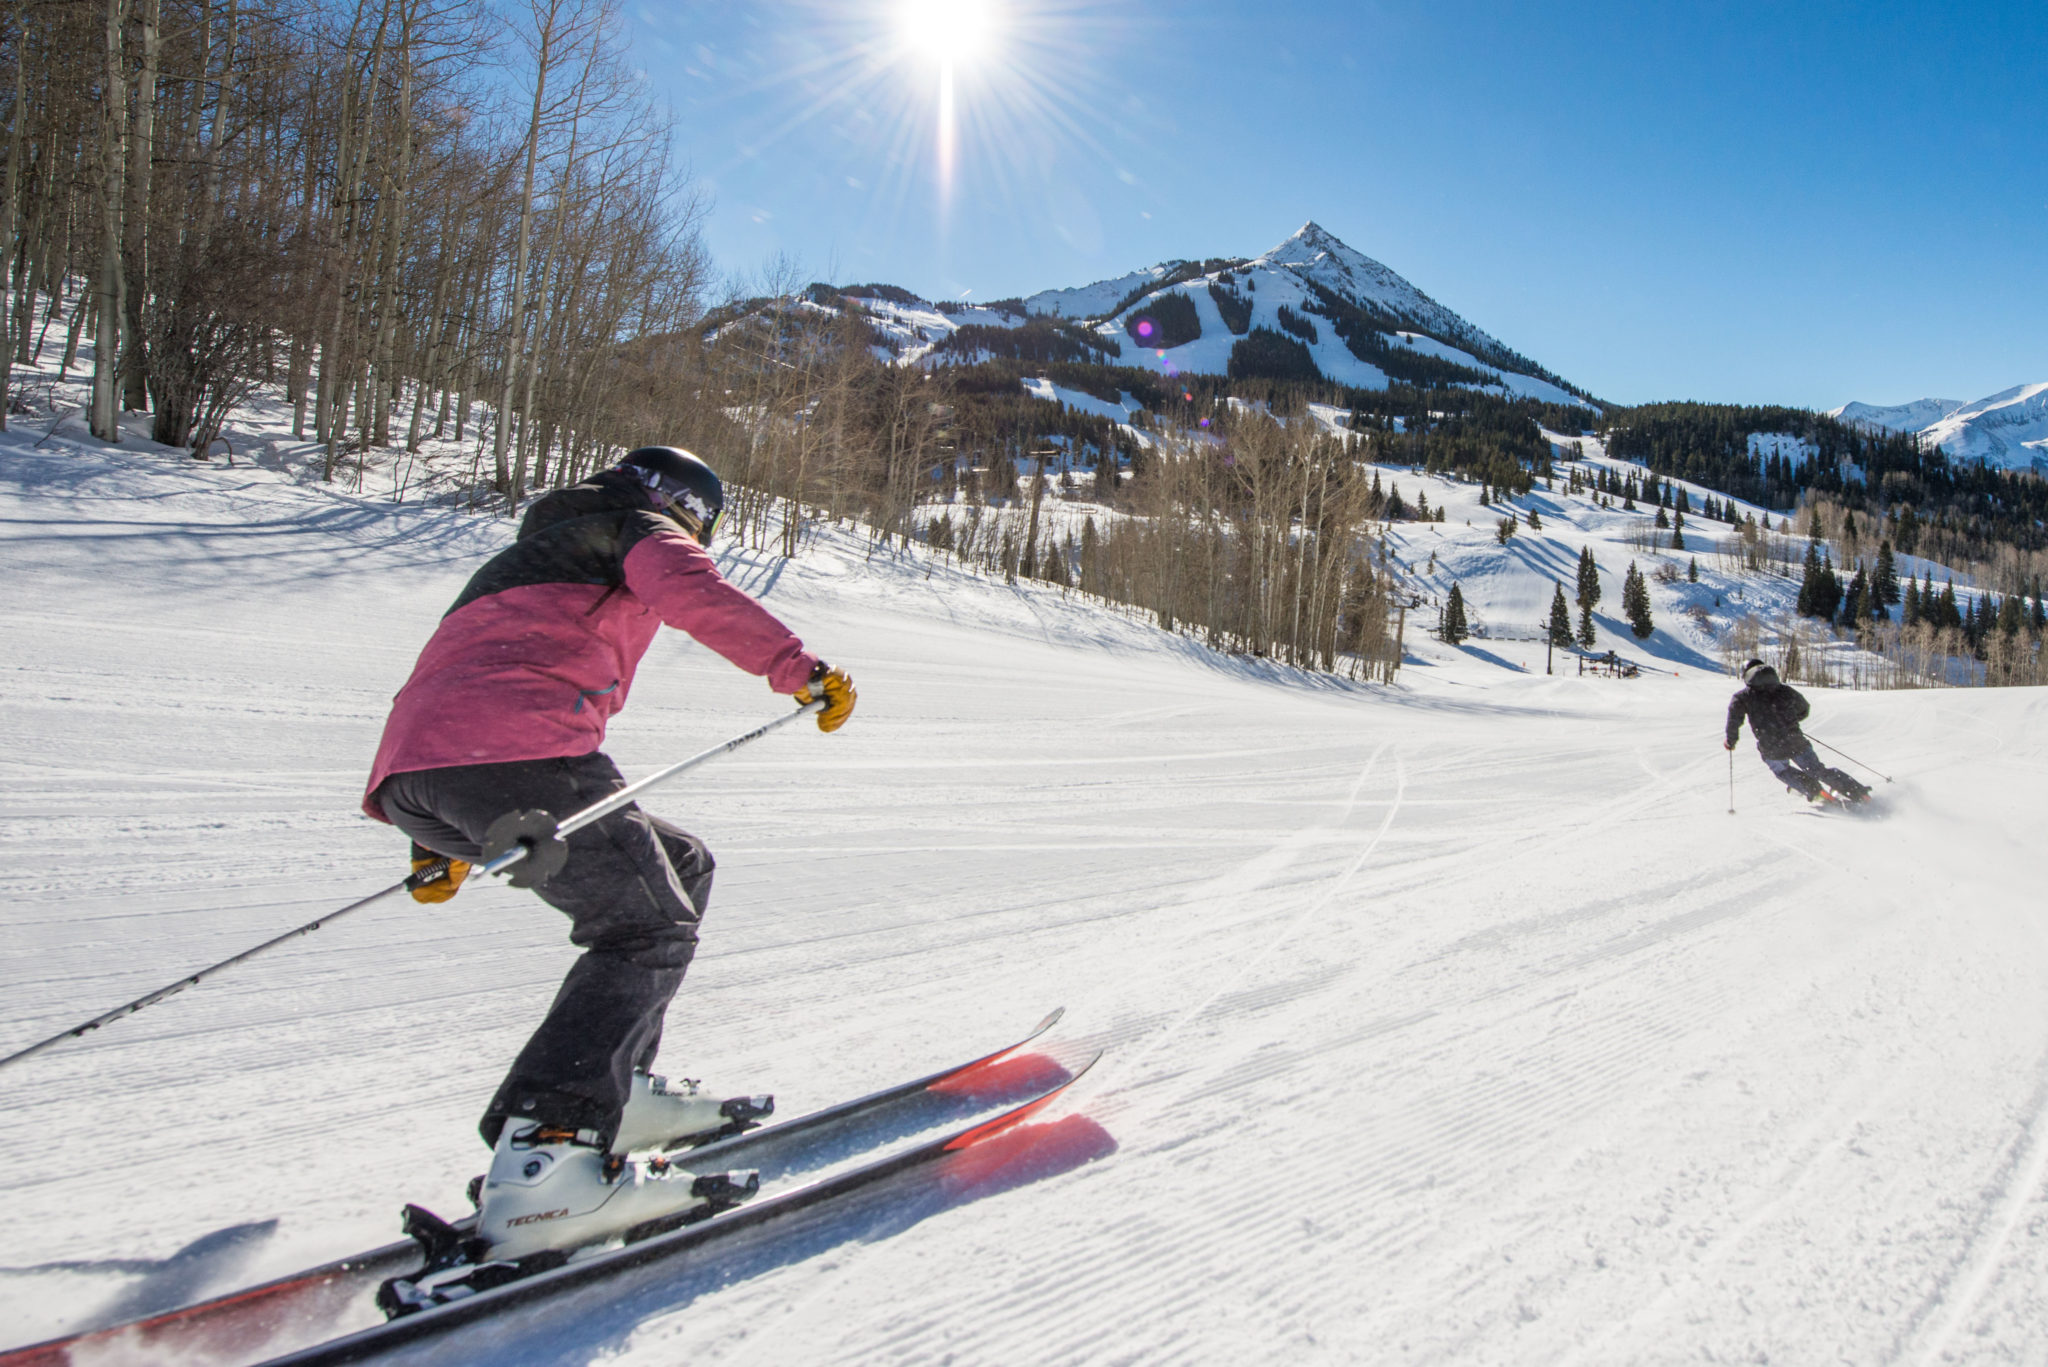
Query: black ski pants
(634,889)
(1805,772)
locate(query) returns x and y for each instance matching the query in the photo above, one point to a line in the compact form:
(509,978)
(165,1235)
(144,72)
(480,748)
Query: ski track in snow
(1454,1022)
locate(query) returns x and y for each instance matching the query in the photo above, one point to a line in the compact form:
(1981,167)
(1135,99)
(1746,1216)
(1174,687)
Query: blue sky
(1803,203)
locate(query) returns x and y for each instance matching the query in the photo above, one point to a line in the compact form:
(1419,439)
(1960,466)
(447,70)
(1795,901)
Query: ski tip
(1014,1116)
(1048,1023)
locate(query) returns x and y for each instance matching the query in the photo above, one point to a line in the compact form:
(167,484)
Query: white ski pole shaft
(597,811)
(1731,783)
(1851,758)
(432,873)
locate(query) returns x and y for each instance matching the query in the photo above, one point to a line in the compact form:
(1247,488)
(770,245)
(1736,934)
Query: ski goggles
(685,507)
(691,520)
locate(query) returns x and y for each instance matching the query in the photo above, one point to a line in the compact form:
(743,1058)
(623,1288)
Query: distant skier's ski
(254,1319)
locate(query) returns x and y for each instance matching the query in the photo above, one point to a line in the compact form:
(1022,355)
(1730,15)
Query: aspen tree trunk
(333,357)
(135,250)
(547,274)
(35,248)
(223,111)
(16,116)
(106,412)
(430,373)
(550,14)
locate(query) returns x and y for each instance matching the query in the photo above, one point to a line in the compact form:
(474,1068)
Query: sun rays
(930,101)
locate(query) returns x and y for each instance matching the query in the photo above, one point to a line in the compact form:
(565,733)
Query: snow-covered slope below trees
(1452,1021)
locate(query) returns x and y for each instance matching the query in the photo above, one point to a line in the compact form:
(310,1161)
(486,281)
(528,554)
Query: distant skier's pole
(432,873)
(1731,783)
(1851,758)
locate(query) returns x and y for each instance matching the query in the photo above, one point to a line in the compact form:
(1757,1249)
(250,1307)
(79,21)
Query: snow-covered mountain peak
(1896,417)
(1317,254)
(2007,429)
(2010,429)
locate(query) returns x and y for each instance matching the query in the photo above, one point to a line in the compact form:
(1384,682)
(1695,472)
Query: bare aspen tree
(109,301)
(141,140)
(18,319)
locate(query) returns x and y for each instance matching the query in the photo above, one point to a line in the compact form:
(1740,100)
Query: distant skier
(505,711)
(1774,711)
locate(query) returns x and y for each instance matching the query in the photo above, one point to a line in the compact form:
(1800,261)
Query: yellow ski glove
(835,686)
(437,889)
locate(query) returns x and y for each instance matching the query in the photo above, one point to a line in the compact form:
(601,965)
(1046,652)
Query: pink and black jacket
(539,650)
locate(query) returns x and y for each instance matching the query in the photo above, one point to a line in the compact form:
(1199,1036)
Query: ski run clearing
(1453,1021)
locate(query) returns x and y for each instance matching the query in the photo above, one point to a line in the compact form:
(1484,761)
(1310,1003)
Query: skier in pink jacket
(506,711)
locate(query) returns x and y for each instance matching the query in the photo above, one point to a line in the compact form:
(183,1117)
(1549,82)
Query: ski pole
(1852,759)
(525,845)
(1731,783)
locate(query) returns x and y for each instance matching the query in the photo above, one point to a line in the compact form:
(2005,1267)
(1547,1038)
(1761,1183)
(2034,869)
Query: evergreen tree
(1947,614)
(1588,596)
(1586,635)
(1692,571)
(1663,518)
(1635,602)
(1560,630)
(1396,510)
(1677,539)
(1535,521)
(1886,579)
(1910,614)
(1809,582)
(1454,629)
(1827,600)
(2011,616)
(1852,601)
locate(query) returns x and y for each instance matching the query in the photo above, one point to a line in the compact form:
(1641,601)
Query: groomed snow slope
(1451,1022)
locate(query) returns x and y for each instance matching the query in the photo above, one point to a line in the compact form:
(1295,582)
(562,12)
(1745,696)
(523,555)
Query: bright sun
(949,30)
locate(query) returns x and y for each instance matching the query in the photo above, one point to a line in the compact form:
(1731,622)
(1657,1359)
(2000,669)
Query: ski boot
(551,1194)
(551,1190)
(664,1115)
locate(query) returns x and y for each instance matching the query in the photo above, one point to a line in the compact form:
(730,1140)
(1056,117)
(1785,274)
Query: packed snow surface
(1455,1021)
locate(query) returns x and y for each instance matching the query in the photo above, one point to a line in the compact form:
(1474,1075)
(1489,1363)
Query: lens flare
(949,30)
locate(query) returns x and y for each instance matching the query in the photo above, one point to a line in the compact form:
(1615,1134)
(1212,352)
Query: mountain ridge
(2008,429)
(1310,307)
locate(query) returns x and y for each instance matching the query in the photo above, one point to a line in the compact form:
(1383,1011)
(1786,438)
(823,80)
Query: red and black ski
(277,1315)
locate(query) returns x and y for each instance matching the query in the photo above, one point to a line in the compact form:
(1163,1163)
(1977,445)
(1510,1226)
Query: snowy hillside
(1453,1021)
(2009,429)
(1359,323)
(1096,300)
(1897,417)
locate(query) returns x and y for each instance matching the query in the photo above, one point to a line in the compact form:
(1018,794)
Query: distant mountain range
(1310,308)
(2008,429)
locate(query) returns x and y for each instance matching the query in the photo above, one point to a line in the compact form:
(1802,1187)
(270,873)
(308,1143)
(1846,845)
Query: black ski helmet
(684,487)
(1759,675)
